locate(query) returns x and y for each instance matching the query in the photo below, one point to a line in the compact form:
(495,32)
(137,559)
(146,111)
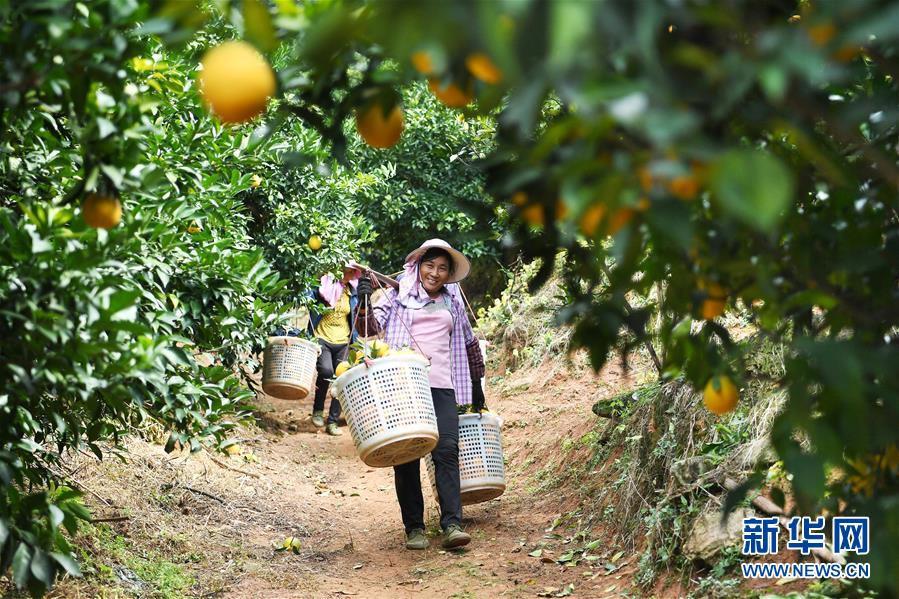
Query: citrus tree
(124,256)
(738,155)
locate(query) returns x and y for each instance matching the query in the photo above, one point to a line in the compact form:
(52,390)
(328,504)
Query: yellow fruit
(480,65)
(256,181)
(101,211)
(315,243)
(377,130)
(720,395)
(194,228)
(233,449)
(236,81)
(716,298)
(421,60)
(378,348)
(341,368)
(451,94)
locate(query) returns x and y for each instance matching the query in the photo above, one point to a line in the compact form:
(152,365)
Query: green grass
(161,577)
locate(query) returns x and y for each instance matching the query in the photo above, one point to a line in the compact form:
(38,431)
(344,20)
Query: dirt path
(357,532)
(228,513)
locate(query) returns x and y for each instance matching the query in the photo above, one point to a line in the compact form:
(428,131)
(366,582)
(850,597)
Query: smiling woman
(426,313)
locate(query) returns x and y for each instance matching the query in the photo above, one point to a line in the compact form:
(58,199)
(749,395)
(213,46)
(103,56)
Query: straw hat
(460,262)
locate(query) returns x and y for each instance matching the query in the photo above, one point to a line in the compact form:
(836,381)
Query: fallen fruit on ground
(377,129)
(101,211)
(720,395)
(236,81)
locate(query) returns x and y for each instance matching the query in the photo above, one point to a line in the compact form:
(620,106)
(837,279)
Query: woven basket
(481,469)
(288,367)
(389,410)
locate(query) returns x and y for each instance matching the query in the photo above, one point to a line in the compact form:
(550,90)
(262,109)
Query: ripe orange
(646,178)
(619,218)
(684,187)
(194,228)
(256,181)
(421,60)
(236,81)
(720,395)
(822,33)
(591,218)
(716,298)
(315,243)
(451,94)
(377,130)
(101,211)
(480,65)
(533,215)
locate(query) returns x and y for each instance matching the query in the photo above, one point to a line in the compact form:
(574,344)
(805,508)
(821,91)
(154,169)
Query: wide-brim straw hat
(461,265)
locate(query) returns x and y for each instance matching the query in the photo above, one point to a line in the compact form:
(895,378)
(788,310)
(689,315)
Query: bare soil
(221,517)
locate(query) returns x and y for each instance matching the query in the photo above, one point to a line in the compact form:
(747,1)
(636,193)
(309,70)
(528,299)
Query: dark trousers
(446,470)
(332,355)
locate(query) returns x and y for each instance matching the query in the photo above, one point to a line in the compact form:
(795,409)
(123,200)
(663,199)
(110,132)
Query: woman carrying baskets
(332,324)
(427,314)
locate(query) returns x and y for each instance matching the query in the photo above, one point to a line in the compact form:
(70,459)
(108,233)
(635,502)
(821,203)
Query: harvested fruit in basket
(341,368)
(379,349)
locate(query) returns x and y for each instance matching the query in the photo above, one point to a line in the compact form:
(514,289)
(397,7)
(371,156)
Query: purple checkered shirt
(391,315)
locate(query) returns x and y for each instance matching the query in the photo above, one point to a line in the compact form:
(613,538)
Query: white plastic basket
(288,367)
(389,409)
(481,470)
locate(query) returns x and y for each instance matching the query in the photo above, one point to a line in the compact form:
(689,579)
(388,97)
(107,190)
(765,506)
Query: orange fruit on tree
(421,60)
(255,181)
(101,211)
(482,68)
(236,81)
(720,395)
(822,33)
(451,94)
(684,187)
(377,129)
(618,219)
(716,298)
(591,218)
(315,243)
(194,228)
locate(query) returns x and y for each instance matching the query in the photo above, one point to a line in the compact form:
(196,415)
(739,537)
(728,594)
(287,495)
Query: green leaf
(42,568)
(21,560)
(105,127)
(258,26)
(4,532)
(56,516)
(67,562)
(752,186)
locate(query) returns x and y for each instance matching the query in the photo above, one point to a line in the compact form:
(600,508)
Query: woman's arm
(472,346)
(376,316)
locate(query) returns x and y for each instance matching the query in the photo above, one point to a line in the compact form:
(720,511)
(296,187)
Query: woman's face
(434,273)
